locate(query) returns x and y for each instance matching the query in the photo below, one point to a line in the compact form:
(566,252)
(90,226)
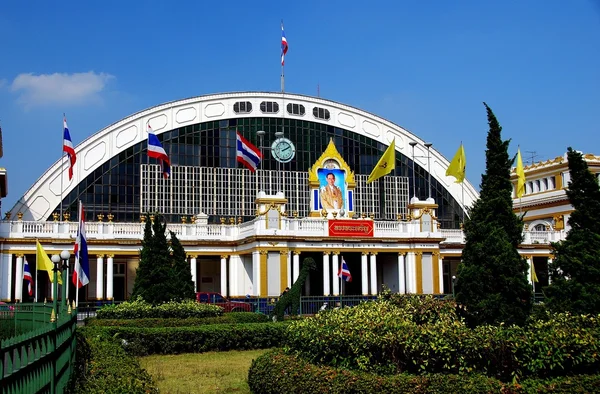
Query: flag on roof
(386,163)
(284,45)
(458,165)
(344,272)
(81,272)
(156,151)
(68,147)
(247,154)
(27,276)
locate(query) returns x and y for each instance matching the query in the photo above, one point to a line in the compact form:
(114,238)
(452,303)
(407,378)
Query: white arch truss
(45,194)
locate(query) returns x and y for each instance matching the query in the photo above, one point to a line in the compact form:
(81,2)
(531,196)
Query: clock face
(283,150)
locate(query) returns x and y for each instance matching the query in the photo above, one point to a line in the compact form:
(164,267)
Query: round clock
(283,150)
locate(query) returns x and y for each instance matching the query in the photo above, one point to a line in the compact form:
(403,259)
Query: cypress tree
(154,273)
(182,284)
(492,284)
(575,271)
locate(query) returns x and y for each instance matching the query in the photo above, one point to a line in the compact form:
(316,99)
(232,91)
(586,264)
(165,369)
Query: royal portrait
(332,188)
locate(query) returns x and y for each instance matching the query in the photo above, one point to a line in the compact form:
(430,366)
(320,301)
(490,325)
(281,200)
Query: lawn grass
(210,372)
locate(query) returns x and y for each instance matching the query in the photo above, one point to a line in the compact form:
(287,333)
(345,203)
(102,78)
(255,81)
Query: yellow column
(263,273)
(419,271)
(435,260)
(283,257)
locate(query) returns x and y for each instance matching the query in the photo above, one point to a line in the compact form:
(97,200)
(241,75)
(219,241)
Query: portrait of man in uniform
(332,188)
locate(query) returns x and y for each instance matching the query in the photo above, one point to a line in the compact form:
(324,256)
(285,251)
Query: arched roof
(45,194)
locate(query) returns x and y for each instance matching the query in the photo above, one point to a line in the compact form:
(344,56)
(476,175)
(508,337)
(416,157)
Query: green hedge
(139,309)
(275,373)
(228,318)
(378,337)
(141,341)
(104,367)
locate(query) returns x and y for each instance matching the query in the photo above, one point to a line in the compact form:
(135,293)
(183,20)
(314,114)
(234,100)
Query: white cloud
(45,89)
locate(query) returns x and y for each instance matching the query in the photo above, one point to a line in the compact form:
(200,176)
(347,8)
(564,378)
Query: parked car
(227,305)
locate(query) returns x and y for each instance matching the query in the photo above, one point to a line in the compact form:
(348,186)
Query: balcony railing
(304,227)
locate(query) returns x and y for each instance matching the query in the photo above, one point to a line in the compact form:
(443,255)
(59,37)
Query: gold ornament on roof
(331,152)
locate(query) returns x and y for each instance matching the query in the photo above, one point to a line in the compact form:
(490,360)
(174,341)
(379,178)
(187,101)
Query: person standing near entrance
(331,195)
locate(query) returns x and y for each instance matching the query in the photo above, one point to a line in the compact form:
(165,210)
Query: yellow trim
(549,216)
(283,260)
(419,271)
(263,273)
(436,272)
(558,181)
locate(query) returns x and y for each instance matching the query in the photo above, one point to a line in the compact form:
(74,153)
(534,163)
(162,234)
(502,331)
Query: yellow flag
(533,275)
(45,264)
(520,175)
(458,165)
(386,163)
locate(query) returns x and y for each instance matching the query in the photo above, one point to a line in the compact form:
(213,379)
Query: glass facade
(114,187)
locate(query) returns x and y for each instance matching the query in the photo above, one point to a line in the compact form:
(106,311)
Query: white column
(364,273)
(256,273)
(224,275)
(529,263)
(289,269)
(99,277)
(549,262)
(326,290)
(373,273)
(401,273)
(6,275)
(334,273)
(110,258)
(234,272)
(296,264)
(441,272)
(194,271)
(411,284)
(19,278)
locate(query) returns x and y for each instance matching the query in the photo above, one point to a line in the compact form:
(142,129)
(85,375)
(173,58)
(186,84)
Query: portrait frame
(340,182)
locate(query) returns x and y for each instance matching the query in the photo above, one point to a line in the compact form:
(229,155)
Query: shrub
(141,341)
(139,309)
(275,372)
(228,318)
(381,338)
(104,367)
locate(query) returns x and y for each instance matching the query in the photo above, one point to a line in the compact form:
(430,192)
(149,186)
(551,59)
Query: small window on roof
(321,113)
(242,107)
(296,109)
(269,107)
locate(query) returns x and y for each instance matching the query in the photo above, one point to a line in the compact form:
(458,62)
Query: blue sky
(425,65)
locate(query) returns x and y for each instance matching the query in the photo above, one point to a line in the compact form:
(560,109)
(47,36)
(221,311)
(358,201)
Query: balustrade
(236,230)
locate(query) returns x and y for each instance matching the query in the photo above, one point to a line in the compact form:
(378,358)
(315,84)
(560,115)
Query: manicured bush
(139,309)
(381,338)
(141,341)
(277,373)
(104,367)
(228,318)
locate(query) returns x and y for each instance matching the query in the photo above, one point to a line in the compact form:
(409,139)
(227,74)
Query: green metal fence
(37,352)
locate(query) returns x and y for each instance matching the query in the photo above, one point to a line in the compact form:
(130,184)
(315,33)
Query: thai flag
(247,154)
(156,151)
(27,276)
(344,272)
(81,273)
(284,45)
(68,147)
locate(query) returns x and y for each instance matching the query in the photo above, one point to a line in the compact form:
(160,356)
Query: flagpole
(36,281)
(62,164)
(282,70)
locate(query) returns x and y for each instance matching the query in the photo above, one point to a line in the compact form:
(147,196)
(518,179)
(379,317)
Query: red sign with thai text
(350,228)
